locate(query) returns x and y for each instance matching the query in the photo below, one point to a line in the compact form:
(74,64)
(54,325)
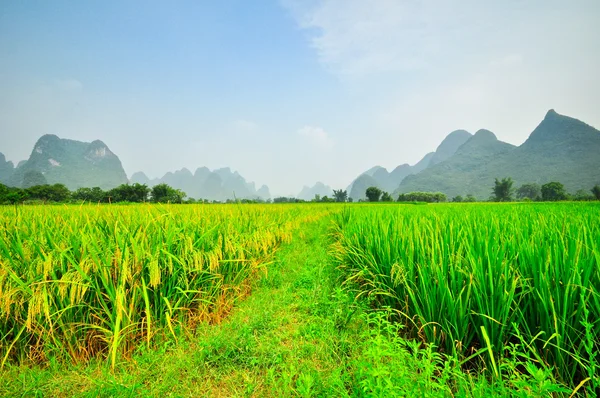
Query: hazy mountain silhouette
(308,193)
(390,181)
(220,184)
(73,163)
(7,170)
(561,149)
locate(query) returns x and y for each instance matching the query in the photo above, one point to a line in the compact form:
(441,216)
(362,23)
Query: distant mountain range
(389,181)
(560,149)
(79,164)
(72,163)
(309,193)
(220,184)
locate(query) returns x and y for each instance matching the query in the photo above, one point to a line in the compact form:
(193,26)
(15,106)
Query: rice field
(500,289)
(485,282)
(80,282)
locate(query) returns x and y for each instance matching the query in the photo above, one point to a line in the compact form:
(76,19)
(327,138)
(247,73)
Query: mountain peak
(484,134)
(449,145)
(557,128)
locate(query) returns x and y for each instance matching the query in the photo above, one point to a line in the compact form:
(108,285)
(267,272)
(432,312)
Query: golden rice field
(77,282)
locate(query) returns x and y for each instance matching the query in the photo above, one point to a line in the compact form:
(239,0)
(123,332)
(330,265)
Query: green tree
(458,199)
(583,195)
(554,191)
(373,194)
(163,193)
(33,178)
(340,195)
(386,197)
(596,191)
(49,193)
(503,190)
(531,191)
(93,195)
(427,197)
(470,198)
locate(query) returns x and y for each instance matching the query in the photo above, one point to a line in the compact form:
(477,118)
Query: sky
(290,92)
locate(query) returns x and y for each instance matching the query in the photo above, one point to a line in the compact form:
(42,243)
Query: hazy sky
(290,92)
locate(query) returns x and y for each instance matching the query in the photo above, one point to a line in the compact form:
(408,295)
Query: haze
(290,93)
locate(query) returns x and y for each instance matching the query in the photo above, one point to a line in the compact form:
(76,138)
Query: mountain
(560,148)
(455,175)
(389,181)
(359,186)
(73,163)
(309,193)
(449,146)
(7,169)
(220,184)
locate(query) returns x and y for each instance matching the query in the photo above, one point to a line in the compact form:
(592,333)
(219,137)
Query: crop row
(485,281)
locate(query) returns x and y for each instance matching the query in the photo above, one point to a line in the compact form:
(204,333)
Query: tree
(596,191)
(163,193)
(503,190)
(386,197)
(340,196)
(553,191)
(33,178)
(373,194)
(94,195)
(427,197)
(470,198)
(583,195)
(457,199)
(531,191)
(51,193)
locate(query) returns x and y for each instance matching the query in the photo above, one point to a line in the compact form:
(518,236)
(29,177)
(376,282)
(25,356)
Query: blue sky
(290,92)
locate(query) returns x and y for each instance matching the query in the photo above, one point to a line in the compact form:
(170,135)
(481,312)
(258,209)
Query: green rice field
(300,300)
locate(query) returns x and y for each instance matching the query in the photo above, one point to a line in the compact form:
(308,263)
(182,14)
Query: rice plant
(479,280)
(79,282)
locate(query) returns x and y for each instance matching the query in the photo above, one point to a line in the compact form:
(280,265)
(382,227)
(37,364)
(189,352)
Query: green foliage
(93,195)
(51,193)
(553,191)
(426,197)
(373,194)
(162,193)
(596,191)
(530,190)
(582,195)
(458,199)
(135,193)
(503,190)
(340,195)
(386,197)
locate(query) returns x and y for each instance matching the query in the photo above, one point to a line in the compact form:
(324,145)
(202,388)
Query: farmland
(302,300)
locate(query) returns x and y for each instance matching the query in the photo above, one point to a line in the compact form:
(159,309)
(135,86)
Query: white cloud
(317,137)
(359,38)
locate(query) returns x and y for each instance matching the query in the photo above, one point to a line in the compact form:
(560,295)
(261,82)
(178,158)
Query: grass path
(298,334)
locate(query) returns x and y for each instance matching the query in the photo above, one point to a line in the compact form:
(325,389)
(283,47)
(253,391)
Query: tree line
(59,193)
(504,191)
